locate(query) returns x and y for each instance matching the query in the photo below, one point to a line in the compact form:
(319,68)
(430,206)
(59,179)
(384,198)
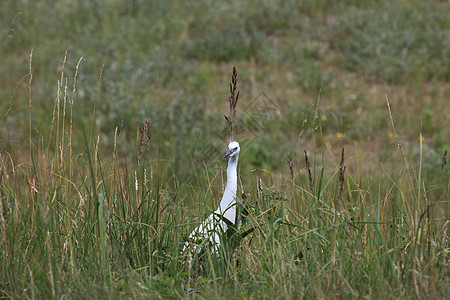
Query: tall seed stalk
(232,101)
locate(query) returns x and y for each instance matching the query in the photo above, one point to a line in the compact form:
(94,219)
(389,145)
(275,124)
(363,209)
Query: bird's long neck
(232,174)
(230,190)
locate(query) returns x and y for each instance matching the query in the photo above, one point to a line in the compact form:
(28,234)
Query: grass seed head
(232,101)
(144,139)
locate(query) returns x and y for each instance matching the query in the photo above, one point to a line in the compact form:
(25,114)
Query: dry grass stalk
(74,90)
(56,108)
(232,100)
(311,183)
(29,103)
(444,160)
(399,145)
(144,139)
(341,174)
(291,167)
(2,194)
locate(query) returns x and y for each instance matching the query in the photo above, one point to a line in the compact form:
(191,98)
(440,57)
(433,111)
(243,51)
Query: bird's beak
(229,152)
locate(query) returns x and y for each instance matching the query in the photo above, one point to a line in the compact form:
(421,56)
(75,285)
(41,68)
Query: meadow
(112,136)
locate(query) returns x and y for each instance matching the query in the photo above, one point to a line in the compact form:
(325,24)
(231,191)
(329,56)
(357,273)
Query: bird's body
(209,230)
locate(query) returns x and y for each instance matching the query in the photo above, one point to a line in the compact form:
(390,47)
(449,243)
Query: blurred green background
(171,61)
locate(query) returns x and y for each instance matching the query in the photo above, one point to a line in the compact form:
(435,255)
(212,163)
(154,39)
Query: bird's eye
(235,149)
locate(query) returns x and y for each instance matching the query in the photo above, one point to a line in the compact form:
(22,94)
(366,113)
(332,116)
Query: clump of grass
(119,226)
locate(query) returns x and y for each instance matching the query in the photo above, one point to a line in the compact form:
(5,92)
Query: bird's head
(233,149)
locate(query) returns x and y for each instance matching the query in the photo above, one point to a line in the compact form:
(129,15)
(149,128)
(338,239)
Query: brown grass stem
(341,174)
(308,166)
(232,101)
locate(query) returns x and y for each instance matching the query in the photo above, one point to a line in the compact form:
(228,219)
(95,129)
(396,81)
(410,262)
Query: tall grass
(93,224)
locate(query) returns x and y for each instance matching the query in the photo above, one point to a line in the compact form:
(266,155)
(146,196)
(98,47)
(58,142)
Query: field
(112,134)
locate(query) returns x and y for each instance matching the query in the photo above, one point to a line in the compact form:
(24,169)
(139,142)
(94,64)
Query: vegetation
(112,129)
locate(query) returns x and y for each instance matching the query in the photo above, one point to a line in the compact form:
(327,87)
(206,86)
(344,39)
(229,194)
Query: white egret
(209,230)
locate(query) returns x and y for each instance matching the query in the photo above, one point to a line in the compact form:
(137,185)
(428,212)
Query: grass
(112,131)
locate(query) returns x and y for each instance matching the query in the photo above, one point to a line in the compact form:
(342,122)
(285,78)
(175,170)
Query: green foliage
(394,42)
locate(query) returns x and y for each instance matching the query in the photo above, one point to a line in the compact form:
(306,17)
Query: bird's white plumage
(210,229)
